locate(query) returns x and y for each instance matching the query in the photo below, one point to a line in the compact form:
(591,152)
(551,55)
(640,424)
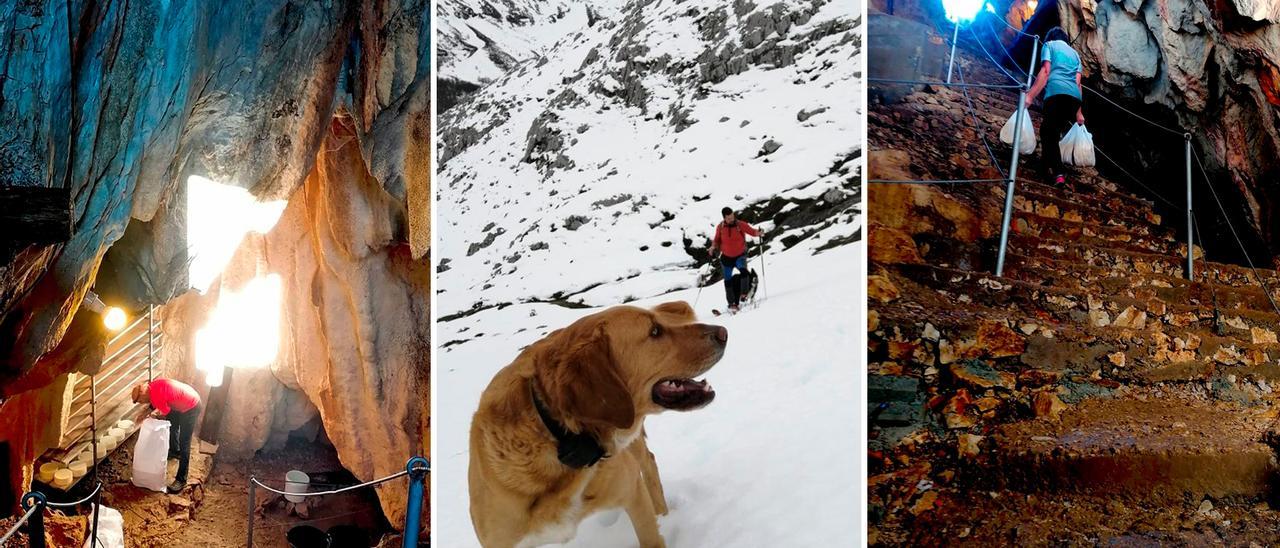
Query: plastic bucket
(348,536)
(296,481)
(306,536)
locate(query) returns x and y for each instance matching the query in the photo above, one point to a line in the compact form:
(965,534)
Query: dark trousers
(1059,113)
(732,291)
(182,424)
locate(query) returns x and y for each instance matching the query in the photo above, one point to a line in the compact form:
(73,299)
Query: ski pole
(764,245)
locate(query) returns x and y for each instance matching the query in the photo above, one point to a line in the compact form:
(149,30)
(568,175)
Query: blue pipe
(417,467)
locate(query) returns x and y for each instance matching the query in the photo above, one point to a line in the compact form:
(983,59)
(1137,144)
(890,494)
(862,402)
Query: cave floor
(212,511)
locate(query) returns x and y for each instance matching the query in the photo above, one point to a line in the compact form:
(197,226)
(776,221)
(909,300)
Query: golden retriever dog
(559,434)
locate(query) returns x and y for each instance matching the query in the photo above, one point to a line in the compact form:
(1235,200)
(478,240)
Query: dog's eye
(655,331)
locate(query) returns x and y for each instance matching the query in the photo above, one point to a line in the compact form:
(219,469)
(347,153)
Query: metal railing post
(1013,164)
(1191,276)
(252,498)
(97,503)
(35,525)
(955,37)
(417,468)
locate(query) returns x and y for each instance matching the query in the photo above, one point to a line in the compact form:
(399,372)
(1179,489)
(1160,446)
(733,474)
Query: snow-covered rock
(595,173)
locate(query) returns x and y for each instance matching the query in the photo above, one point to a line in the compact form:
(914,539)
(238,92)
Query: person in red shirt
(178,403)
(731,241)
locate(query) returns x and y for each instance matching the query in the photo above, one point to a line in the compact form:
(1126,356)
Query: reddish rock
(1047,404)
(891,246)
(880,288)
(999,341)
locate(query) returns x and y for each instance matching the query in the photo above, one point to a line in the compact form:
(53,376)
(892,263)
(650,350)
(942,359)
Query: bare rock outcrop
(1215,67)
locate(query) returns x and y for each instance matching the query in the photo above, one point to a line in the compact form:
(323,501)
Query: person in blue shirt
(1059,78)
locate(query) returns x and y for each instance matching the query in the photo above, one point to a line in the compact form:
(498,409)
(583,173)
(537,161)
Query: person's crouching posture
(179,403)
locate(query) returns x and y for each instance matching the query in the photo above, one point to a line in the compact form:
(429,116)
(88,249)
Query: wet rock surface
(1092,394)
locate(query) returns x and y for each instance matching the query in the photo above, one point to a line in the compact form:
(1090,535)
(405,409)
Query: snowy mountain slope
(771,462)
(480,40)
(595,174)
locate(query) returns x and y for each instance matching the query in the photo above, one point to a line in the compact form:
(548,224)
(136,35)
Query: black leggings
(1059,113)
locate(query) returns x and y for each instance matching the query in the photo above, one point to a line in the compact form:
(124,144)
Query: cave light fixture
(218,218)
(243,331)
(958,12)
(113,317)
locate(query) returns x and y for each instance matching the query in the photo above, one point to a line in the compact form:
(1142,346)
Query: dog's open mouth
(682,394)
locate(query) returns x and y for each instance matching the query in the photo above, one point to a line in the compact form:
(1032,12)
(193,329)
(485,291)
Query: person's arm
(1042,80)
(1080,86)
(749,229)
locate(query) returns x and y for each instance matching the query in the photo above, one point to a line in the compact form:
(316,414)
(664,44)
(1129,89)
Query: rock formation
(325,104)
(1213,68)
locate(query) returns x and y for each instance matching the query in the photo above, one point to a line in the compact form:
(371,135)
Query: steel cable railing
(36,503)
(416,469)
(21,521)
(1265,288)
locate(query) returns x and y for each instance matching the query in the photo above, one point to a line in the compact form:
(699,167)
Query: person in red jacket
(731,241)
(178,403)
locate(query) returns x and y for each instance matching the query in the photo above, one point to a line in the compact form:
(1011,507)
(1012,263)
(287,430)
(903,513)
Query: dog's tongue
(683,394)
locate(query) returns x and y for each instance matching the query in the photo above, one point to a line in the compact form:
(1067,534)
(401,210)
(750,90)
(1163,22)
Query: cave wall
(123,101)
(235,91)
(355,325)
(1213,66)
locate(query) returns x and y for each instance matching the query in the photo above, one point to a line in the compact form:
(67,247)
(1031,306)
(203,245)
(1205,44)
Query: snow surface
(641,185)
(771,462)
(471,36)
(603,217)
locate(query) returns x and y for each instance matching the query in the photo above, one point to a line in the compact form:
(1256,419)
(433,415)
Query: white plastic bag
(1077,147)
(1084,155)
(151,455)
(110,528)
(1027,137)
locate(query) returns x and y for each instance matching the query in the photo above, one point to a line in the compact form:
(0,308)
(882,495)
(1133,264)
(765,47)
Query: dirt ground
(213,509)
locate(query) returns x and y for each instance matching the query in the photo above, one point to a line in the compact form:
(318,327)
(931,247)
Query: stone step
(1157,448)
(1122,260)
(1030,199)
(1055,229)
(1048,271)
(1143,340)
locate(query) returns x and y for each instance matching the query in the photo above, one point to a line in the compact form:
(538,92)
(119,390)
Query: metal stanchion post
(251,502)
(35,525)
(417,467)
(1013,165)
(1186,137)
(954,38)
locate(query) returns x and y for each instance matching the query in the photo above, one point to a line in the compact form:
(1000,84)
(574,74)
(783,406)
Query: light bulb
(114,318)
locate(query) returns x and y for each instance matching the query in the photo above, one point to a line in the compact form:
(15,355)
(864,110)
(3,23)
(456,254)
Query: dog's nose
(719,334)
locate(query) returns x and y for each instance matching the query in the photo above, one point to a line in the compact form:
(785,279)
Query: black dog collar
(575,449)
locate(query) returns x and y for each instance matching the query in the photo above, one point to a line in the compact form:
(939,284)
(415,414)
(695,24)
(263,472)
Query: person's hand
(1029,100)
(1080,117)
(156,415)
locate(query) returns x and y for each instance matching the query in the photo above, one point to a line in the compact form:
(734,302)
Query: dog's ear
(679,309)
(583,383)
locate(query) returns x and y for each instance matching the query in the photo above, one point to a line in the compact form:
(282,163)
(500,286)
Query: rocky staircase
(1092,394)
